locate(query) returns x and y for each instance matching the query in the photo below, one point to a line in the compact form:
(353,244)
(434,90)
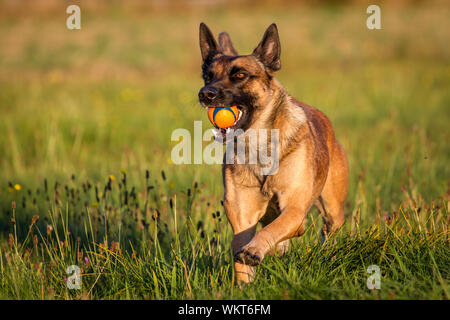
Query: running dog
(313,168)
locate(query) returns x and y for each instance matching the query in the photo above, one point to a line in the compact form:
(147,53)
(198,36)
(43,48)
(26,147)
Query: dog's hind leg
(273,211)
(281,248)
(332,199)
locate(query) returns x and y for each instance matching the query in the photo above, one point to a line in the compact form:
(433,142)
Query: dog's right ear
(225,44)
(208,45)
(268,50)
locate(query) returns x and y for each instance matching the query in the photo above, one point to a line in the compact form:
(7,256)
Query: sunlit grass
(156,243)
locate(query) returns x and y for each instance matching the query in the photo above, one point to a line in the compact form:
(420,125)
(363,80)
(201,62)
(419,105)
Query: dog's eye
(239,75)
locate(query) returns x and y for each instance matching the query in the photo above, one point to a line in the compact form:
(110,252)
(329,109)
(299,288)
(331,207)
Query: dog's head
(238,80)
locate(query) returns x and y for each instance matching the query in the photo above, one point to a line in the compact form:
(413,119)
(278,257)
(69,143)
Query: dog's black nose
(207,94)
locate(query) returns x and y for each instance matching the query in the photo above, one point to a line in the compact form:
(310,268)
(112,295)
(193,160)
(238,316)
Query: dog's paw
(249,256)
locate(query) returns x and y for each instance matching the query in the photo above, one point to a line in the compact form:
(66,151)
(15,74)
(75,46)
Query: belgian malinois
(313,168)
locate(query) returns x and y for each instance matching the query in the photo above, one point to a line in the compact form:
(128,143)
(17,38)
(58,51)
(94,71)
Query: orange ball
(223,117)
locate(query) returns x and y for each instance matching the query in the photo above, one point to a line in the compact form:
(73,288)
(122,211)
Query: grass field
(86,177)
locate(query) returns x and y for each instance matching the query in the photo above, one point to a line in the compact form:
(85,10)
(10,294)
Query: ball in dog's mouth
(220,134)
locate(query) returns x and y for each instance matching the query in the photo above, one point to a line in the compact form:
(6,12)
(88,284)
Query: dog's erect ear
(268,50)
(208,45)
(225,44)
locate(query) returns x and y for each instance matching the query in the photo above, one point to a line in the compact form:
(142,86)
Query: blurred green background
(91,102)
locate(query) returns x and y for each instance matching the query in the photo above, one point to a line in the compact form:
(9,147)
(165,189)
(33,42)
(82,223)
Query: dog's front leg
(244,273)
(289,224)
(244,207)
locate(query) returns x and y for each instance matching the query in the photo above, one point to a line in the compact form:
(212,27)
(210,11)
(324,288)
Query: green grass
(160,245)
(80,108)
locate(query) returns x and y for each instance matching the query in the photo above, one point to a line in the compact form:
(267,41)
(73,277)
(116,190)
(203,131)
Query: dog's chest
(250,176)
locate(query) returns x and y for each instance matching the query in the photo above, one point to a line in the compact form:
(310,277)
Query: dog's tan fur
(313,167)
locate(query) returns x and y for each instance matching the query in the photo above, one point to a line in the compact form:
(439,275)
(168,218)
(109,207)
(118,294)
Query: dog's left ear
(208,45)
(225,44)
(268,50)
